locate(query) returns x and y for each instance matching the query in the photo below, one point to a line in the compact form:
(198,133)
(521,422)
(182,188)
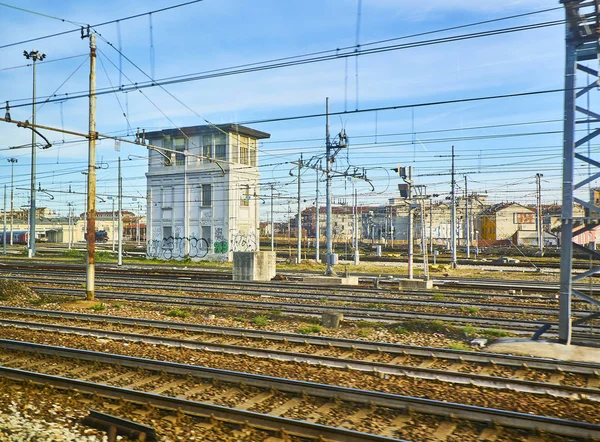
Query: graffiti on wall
(220,245)
(177,248)
(244,242)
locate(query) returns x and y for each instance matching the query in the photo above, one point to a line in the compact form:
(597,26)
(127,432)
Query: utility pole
(356,250)
(540,221)
(4,232)
(467,226)
(70,229)
(453,217)
(120,220)
(272,222)
(35,56)
(113,223)
(410,233)
(91,182)
(299,220)
(424,239)
(12,162)
(328,231)
(431,225)
(317,223)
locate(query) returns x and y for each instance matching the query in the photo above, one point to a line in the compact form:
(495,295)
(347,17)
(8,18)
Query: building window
(179,147)
(167,232)
(252,152)
(244,150)
(207,195)
(167,144)
(207,147)
(206,234)
(220,147)
(245,201)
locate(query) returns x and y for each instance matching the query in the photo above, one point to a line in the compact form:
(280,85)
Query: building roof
(206,129)
(501,206)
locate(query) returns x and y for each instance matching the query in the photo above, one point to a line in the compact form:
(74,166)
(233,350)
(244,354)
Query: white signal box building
(203,196)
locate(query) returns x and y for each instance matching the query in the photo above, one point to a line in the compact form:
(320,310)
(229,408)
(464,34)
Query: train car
(19,237)
(101,236)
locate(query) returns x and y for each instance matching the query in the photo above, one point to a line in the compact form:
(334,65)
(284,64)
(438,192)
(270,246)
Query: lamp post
(35,56)
(12,162)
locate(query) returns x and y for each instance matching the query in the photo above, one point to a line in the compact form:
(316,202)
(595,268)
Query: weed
(98,307)
(459,346)
(363,332)
(400,331)
(438,296)
(324,300)
(117,305)
(469,330)
(178,313)
(275,312)
(470,310)
(311,328)
(239,319)
(494,333)
(260,321)
(315,320)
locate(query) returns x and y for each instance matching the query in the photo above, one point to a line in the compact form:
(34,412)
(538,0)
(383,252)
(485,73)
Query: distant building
(203,193)
(501,221)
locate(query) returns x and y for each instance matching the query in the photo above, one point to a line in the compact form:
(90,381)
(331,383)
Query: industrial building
(203,186)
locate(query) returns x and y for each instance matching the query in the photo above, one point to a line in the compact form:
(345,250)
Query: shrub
(260,321)
(98,307)
(178,313)
(495,333)
(311,328)
(470,310)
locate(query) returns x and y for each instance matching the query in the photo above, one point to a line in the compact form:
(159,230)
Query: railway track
(570,380)
(581,334)
(375,415)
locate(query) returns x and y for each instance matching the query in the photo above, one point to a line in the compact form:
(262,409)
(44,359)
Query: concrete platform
(546,349)
(418,284)
(331,280)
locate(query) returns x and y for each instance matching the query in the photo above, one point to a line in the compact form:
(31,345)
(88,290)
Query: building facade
(203,192)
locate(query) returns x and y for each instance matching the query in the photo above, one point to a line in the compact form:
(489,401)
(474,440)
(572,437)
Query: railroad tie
(490,434)
(168,386)
(444,430)
(323,410)
(351,421)
(200,388)
(143,381)
(254,400)
(283,408)
(395,425)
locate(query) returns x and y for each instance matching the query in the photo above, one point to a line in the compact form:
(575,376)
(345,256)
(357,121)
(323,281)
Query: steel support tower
(582,58)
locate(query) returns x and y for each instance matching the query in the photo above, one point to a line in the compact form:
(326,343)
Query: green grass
(179,313)
(239,319)
(494,333)
(365,324)
(459,346)
(98,307)
(117,305)
(400,331)
(275,312)
(363,332)
(260,321)
(438,296)
(469,330)
(470,310)
(310,328)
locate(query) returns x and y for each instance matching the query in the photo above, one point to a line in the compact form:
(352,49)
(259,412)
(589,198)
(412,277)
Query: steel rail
(311,309)
(242,417)
(380,368)
(504,418)
(585,368)
(393,301)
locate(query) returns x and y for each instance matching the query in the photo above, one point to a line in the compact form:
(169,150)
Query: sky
(500,144)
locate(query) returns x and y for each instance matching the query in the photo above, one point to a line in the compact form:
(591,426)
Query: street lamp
(12,162)
(35,56)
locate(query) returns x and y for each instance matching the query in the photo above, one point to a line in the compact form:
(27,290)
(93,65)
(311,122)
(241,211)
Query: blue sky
(501,157)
